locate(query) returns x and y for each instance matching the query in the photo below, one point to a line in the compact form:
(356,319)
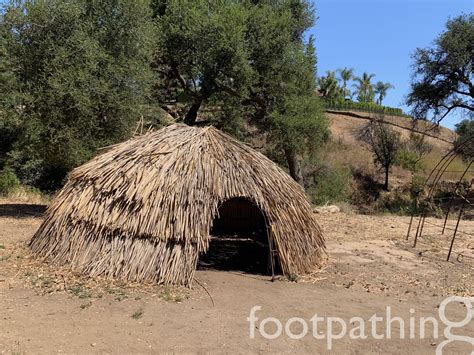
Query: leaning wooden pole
(433,186)
(455,232)
(465,201)
(424,186)
(451,199)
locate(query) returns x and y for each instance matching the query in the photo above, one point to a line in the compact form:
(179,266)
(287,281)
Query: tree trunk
(191,115)
(387,171)
(294,166)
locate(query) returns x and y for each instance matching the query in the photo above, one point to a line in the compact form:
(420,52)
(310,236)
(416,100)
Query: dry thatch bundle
(143,210)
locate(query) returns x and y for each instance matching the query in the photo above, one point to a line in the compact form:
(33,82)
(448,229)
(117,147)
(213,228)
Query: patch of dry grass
(23,268)
(454,170)
(27,194)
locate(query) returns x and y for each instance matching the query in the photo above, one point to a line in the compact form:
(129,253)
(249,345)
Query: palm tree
(381,90)
(346,74)
(329,87)
(364,87)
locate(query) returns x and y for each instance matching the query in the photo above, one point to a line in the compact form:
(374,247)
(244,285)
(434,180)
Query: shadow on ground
(22,210)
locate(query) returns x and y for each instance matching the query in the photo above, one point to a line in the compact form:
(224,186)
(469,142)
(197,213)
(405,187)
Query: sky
(379,36)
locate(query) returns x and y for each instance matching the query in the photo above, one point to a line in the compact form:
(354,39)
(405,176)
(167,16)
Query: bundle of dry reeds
(143,210)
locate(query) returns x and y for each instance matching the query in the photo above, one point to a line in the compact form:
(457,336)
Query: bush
(417,185)
(8,181)
(408,199)
(465,129)
(397,202)
(330,184)
(408,160)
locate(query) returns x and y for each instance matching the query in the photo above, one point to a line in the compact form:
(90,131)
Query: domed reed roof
(143,210)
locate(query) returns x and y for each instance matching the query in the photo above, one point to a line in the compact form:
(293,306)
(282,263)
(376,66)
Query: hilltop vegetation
(336,89)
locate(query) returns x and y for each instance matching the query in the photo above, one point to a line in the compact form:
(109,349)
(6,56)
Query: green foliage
(418,145)
(9,123)
(381,89)
(384,143)
(221,61)
(82,80)
(394,203)
(465,142)
(242,55)
(412,151)
(310,54)
(408,202)
(408,160)
(442,75)
(282,98)
(417,185)
(86,72)
(331,184)
(339,97)
(346,74)
(364,88)
(202,53)
(405,199)
(329,87)
(300,126)
(371,107)
(283,64)
(8,181)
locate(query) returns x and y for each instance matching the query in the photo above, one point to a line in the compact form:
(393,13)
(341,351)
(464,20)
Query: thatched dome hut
(144,209)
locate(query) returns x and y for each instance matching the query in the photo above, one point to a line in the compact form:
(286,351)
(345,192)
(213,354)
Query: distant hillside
(346,127)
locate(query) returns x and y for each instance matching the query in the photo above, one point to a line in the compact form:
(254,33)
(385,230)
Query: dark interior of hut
(239,240)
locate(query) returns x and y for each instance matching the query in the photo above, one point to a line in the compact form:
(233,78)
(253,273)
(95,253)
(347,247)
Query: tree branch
(461,92)
(169,110)
(179,76)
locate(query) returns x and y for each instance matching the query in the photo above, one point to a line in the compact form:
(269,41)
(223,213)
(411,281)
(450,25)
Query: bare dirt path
(371,267)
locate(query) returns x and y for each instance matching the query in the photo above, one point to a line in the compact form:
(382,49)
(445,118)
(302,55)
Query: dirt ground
(46,309)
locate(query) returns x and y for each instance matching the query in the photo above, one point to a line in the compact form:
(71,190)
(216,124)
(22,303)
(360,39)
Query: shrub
(417,185)
(408,199)
(408,160)
(465,129)
(8,181)
(397,202)
(329,184)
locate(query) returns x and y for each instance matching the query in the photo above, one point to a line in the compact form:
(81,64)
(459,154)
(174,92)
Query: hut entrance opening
(239,240)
